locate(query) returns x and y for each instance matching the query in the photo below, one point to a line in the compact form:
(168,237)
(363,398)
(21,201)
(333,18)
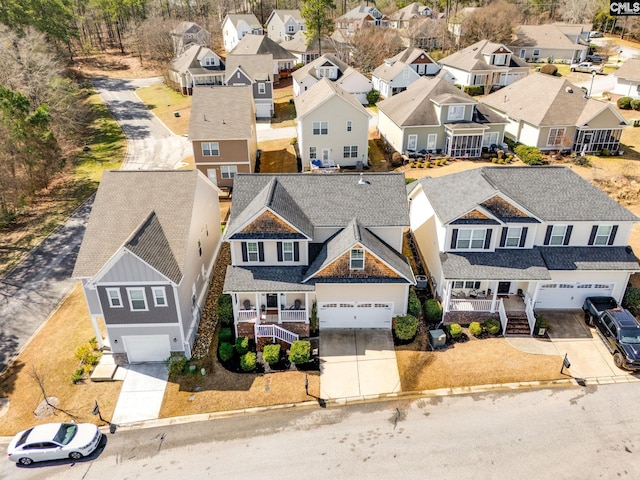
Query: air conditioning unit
(421,282)
(437,339)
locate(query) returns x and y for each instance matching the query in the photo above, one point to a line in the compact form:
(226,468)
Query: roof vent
(569,90)
(362,181)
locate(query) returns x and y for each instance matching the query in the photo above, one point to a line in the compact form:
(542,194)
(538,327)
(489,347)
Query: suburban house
(553,42)
(509,241)
(403,18)
(332,68)
(561,118)
(400,71)
(434,117)
(628,79)
(146,259)
(456,21)
(256,71)
(186,34)
(485,63)
(196,66)
(295,252)
(360,17)
(304,52)
(333,128)
(236,25)
(222,131)
(422,32)
(282,25)
(283,61)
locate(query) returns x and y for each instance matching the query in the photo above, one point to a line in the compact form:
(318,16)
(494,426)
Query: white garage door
(263,110)
(355,314)
(570,295)
(147,348)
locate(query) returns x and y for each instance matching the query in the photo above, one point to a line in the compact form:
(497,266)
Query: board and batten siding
(129,268)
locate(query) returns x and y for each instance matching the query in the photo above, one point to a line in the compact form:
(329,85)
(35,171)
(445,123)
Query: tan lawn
(165,102)
(278,156)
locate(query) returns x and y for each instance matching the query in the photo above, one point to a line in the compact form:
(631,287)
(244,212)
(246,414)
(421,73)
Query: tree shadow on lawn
(278,161)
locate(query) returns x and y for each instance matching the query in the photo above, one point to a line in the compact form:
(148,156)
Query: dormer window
(357,259)
(456,112)
(469,239)
(500,59)
(210,62)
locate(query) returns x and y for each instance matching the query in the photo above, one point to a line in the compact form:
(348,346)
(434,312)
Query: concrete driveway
(142,393)
(357,363)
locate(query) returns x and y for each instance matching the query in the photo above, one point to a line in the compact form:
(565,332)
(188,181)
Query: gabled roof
(388,71)
(329,200)
(413,10)
(472,57)
(190,60)
(221,113)
(361,12)
(261,45)
(415,106)
(552,194)
(248,18)
(186,27)
(140,210)
(544,36)
(284,16)
(558,102)
(258,68)
(310,68)
(320,93)
(411,54)
(299,44)
(629,70)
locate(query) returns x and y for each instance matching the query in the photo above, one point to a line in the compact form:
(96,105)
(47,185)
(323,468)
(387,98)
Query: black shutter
(279,244)
(547,235)
(523,236)
(487,239)
(592,237)
(261,251)
(567,235)
(503,237)
(296,251)
(454,238)
(245,257)
(612,237)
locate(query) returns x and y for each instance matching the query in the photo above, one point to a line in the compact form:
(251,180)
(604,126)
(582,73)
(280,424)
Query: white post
(494,298)
(446,297)
(96,330)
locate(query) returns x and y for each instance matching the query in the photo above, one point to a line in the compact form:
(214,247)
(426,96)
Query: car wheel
(75,455)
(618,359)
(573,69)
(25,461)
(589,319)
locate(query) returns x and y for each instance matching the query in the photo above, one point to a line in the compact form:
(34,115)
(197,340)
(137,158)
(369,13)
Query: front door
(503,288)
(272,300)
(325,154)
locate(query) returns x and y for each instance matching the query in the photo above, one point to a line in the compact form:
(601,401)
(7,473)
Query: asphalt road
(575,433)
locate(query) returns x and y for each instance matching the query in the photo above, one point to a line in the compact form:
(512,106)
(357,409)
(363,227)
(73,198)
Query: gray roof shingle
(629,70)
(589,258)
(472,57)
(221,113)
(506,264)
(257,67)
(261,45)
(265,279)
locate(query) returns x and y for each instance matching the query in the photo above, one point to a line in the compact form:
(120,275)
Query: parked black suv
(620,332)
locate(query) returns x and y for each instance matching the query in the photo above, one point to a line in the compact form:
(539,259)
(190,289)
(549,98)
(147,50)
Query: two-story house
(502,240)
(282,25)
(433,116)
(331,241)
(561,118)
(329,66)
(554,42)
(283,61)
(236,25)
(333,127)
(398,72)
(257,72)
(307,51)
(222,131)
(485,63)
(196,66)
(404,17)
(146,259)
(186,34)
(360,17)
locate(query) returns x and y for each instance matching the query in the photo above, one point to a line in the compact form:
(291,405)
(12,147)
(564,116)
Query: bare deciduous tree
(370,46)
(495,22)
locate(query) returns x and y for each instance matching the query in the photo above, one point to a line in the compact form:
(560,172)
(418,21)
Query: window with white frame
(500,59)
(471,238)
(287,251)
(115,301)
(603,233)
(212,175)
(556,135)
(291,29)
(490,138)
(412,142)
(137,299)
(432,140)
(210,149)
(456,112)
(350,151)
(349,125)
(536,52)
(313,153)
(159,297)
(357,259)
(320,128)
(513,237)
(558,233)
(252,252)
(228,171)
(261,88)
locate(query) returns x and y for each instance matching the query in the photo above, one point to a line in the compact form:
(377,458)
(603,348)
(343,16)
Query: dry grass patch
(164,102)
(285,110)
(477,362)
(278,156)
(51,354)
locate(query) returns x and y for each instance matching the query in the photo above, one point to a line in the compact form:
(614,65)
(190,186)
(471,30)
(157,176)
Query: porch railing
(274,331)
(531,317)
(293,315)
(503,315)
(247,315)
(469,305)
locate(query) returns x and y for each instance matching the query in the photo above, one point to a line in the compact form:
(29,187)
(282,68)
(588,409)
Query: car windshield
(66,433)
(630,335)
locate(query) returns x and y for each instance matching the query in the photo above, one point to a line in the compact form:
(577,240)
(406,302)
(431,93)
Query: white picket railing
(469,305)
(274,331)
(503,315)
(247,315)
(293,315)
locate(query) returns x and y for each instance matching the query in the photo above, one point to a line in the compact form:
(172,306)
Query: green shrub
(177,365)
(271,354)
(78,375)
(225,309)
(373,96)
(427,164)
(225,351)
(635,104)
(248,362)
(408,180)
(549,69)
(432,311)
(405,327)
(475,329)
(455,330)
(242,345)
(93,343)
(474,90)
(529,155)
(225,335)
(624,103)
(492,326)
(86,355)
(300,352)
(414,303)
(631,300)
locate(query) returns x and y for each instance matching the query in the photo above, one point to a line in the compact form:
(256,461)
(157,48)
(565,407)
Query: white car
(586,67)
(52,441)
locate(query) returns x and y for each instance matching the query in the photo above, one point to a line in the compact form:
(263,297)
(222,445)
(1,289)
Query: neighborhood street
(591,432)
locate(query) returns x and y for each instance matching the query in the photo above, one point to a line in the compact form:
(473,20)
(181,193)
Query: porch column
(96,330)
(495,297)
(258,307)
(534,297)
(446,296)
(306,307)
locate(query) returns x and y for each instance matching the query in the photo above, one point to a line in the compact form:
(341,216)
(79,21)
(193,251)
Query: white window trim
(211,149)
(117,291)
(228,171)
(558,137)
(285,252)
(473,233)
(163,294)
(262,88)
(432,141)
(553,234)
(320,127)
(511,236)
(144,298)
(249,253)
(351,258)
(349,126)
(456,109)
(412,141)
(604,236)
(313,153)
